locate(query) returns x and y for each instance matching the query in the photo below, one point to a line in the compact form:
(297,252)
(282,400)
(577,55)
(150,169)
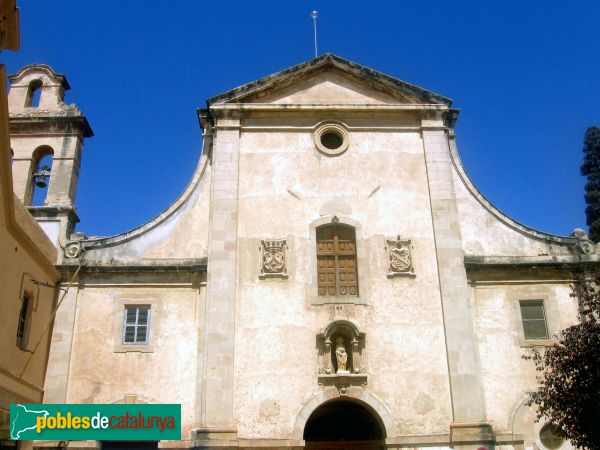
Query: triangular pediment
(330,79)
(328,87)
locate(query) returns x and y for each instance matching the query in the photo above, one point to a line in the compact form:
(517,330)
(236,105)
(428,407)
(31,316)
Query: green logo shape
(114,422)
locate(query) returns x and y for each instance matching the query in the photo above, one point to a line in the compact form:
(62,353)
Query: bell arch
(352,394)
(34,93)
(42,159)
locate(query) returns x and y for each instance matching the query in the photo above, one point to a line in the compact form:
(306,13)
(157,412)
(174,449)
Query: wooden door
(336,261)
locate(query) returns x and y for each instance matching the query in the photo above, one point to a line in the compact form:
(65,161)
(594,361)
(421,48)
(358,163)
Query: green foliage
(569,372)
(591,169)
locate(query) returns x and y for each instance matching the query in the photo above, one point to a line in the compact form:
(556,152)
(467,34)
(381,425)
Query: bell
(42,176)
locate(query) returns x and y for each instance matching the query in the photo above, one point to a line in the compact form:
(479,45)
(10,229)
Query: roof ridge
(341,63)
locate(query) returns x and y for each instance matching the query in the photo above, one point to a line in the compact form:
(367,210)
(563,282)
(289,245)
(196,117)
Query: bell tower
(47,139)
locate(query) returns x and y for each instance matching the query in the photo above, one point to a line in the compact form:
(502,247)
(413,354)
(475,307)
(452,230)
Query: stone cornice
(275,107)
(51,212)
(139,266)
(32,123)
(571,262)
(40,67)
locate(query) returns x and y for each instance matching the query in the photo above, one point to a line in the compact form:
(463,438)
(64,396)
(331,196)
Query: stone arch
(358,395)
(41,151)
(517,416)
(38,78)
(42,157)
(337,218)
(351,329)
(34,91)
(523,422)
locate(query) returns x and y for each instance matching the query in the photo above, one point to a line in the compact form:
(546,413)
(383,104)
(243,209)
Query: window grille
(135,324)
(336,261)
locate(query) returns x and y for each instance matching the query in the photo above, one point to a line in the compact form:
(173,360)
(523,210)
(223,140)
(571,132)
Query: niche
(341,351)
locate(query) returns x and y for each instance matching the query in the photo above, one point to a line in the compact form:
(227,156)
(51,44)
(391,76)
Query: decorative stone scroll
(73,250)
(587,247)
(272,258)
(399,258)
(584,244)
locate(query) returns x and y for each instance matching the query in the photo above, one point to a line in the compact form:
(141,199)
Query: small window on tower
(135,324)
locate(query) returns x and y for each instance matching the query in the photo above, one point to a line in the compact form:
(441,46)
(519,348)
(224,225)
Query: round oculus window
(331,139)
(551,436)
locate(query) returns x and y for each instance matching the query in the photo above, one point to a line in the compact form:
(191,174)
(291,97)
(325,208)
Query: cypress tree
(591,169)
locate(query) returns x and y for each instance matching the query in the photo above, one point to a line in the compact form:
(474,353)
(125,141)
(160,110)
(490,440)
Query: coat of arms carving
(272,258)
(399,257)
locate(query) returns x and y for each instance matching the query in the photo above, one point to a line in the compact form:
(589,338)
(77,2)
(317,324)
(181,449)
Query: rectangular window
(534,319)
(23,322)
(336,261)
(135,324)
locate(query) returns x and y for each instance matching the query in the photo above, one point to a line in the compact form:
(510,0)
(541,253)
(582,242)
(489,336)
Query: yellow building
(27,274)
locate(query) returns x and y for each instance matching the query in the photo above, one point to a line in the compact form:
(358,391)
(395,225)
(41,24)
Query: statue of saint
(341,356)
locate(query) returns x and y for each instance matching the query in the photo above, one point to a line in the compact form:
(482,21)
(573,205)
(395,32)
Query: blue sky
(525,74)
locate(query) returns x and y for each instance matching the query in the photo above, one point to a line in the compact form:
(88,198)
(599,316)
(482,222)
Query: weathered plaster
(98,374)
(497,330)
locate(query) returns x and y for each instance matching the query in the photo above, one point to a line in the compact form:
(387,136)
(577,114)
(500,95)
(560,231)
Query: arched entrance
(344,424)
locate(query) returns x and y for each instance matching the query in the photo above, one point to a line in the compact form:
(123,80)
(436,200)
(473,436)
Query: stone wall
(380,184)
(102,371)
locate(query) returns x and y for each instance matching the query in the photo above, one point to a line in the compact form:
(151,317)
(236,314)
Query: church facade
(330,277)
